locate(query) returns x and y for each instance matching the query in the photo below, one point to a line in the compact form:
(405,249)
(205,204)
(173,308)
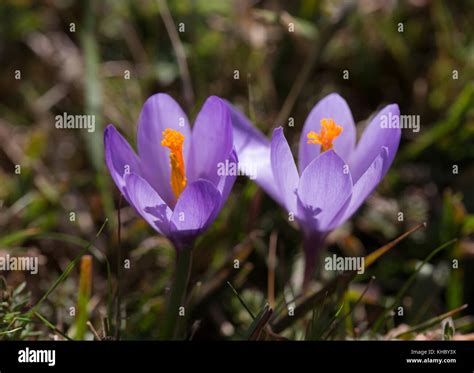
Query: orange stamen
(174,140)
(329,132)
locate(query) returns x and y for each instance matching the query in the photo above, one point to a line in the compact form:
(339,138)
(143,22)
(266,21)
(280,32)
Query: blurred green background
(75,57)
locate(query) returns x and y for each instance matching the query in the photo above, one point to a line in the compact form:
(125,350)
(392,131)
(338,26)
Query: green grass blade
(382,318)
(66,272)
(433,321)
(241,301)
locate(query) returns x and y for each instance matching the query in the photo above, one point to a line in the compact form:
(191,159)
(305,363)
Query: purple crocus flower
(173,182)
(334,176)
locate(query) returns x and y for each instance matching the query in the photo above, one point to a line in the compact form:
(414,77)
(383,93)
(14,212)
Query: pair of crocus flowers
(174,183)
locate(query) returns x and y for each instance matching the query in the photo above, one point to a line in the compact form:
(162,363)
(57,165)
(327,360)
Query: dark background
(282,74)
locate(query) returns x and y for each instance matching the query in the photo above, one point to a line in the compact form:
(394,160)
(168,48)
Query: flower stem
(177,295)
(312,245)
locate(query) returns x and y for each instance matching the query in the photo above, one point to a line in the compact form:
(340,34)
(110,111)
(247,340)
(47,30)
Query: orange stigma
(329,132)
(174,140)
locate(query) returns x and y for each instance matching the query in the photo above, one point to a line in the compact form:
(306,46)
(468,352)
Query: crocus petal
(148,203)
(253,150)
(366,184)
(196,209)
(284,169)
(324,190)
(119,157)
(211,141)
(335,107)
(159,112)
(375,136)
(227,178)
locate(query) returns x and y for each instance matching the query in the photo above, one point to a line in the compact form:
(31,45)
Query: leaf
(448,329)
(255,329)
(11,331)
(18,237)
(441,129)
(340,282)
(337,321)
(241,301)
(51,326)
(433,321)
(381,319)
(372,257)
(324,320)
(19,289)
(67,271)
